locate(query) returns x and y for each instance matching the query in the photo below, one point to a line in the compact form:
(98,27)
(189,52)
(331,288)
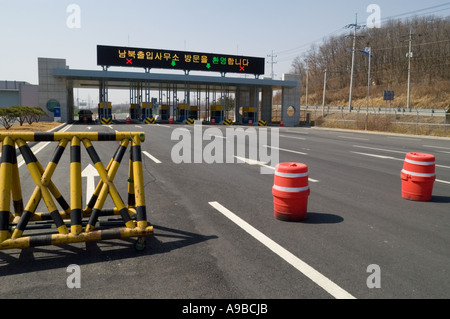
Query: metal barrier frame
(13,226)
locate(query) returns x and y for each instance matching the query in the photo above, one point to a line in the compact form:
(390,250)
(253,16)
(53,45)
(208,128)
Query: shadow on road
(53,257)
(441,199)
(322,218)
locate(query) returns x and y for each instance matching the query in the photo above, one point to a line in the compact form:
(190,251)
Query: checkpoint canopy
(244,82)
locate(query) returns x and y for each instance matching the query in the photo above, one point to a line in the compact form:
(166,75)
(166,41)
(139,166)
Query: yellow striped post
(6,174)
(42,181)
(138,181)
(75,187)
(16,189)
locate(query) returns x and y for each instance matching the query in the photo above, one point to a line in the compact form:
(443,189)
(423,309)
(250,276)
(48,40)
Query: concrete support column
(290,108)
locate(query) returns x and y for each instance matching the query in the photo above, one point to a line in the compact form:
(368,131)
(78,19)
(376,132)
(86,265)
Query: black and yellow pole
(75,187)
(42,181)
(16,188)
(91,203)
(5,187)
(138,180)
(131,196)
(108,186)
(58,136)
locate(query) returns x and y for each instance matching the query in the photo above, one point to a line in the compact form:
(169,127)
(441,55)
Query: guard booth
(104,112)
(164,113)
(135,111)
(147,110)
(216,113)
(185,112)
(248,113)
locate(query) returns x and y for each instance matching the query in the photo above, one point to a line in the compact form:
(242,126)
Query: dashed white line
(293,137)
(399,159)
(285,150)
(254,162)
(355,138)
(322,281)
(154,159)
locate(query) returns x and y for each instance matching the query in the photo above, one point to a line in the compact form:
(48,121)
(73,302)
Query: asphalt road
(216,235)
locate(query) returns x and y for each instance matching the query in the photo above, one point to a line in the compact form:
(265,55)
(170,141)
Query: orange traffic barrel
(418,176)
(171,121)
(281,124)
(291,191)
(250,122)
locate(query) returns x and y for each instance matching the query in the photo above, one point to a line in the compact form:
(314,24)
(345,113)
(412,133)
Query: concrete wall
(266,105)
(14,93)
(52,88)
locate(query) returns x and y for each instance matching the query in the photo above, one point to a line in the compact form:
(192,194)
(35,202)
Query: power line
(293,52)
(272,62)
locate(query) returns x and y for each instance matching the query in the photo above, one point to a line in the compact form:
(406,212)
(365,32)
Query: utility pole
(307,80)
(408,98)
(324,92)
(272,62)
(353,63)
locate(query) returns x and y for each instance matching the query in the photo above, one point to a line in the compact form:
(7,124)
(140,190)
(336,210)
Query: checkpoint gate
(14,225)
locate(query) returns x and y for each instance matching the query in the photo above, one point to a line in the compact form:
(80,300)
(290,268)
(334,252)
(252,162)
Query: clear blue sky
(38,28)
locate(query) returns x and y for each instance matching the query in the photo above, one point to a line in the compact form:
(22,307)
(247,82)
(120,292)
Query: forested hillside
(430,65)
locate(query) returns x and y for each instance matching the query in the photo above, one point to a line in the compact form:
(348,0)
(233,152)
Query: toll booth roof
(122,80)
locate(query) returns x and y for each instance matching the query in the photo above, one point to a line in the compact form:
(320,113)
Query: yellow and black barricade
(190,121)
(13,225)
(262,123)
(150,120)
(228,122)
(106,121)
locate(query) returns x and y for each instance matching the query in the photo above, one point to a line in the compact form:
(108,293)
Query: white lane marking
(431,146)
(254,162)
(404,138)
(380,149)
(377,156)
(294,137)
(354,138)
(325,283)
(399,159)
(90,172)
(39,147)
(285,150)
(154,159)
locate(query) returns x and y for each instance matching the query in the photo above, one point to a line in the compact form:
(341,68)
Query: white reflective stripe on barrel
(418,174)
(291,175)
(291,189)
(407,160)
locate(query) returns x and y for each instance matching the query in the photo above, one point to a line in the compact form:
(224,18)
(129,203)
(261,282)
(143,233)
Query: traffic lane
(116,270)
(372,203)
(251,267)
(231,173)
(333,164)
(193,182)
(389,143)
(167,206)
